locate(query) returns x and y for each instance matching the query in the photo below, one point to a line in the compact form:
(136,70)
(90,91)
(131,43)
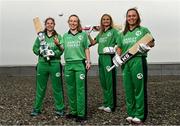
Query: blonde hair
(101,25)
(79,22)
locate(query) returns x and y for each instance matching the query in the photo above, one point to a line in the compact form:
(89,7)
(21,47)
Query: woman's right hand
(88,66)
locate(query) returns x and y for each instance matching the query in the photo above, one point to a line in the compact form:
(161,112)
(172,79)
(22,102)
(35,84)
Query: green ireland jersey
(75,45)
(52,46)
(107,39)
(131,37)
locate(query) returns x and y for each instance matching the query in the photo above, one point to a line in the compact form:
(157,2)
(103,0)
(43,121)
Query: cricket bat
(98,28)
(133,50)
(91,28)
(40,33)
(37,25)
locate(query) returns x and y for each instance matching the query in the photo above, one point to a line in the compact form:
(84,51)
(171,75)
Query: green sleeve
(62,41)
(86,41)
(57,51)
(119,39)
(146,30)
(97,38)
(36,46)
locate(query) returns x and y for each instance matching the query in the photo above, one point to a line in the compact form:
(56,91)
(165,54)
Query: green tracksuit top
(107,39)
(131,37)
(75,45)
(51,44)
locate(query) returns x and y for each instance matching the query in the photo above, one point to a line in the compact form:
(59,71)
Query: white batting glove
(43,49)
(44,52)
(41,36)
(143,48)
(109,50)
(117,60)
(49,53)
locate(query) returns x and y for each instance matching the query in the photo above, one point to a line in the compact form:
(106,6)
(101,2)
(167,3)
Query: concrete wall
(153,70)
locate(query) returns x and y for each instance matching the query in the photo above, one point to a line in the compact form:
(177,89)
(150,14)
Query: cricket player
(106,39)
(46,68)
(77,62)
(135,70)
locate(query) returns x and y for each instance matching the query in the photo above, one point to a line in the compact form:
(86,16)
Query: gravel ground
(17,96)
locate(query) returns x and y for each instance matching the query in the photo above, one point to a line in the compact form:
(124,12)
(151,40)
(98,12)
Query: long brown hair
(101,25)
(45,22)
(126,29)
(79,28)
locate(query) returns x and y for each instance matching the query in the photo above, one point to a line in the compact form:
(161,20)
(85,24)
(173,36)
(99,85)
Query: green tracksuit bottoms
(44,70)
(135,84)
(107,81)
(75,77)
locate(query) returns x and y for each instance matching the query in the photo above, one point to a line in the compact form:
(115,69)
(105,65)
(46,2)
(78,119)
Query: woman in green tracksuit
(107,38)
(135,70)
(77,61)
(46,68)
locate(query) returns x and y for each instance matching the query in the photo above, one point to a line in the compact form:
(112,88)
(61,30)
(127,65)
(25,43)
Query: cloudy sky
(17,33)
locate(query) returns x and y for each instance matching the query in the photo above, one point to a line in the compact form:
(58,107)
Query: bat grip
(48,58)
(109,69)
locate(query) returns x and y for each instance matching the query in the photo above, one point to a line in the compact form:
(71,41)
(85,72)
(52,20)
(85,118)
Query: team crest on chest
(109,34)
(80,37)
(138,33)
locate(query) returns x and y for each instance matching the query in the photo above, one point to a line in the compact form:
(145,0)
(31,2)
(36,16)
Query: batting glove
(117,60)
(49,53)
(109,50)
(143,48)
(41,36)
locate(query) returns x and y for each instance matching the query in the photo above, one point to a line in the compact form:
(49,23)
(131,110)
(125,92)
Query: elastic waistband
(76,61)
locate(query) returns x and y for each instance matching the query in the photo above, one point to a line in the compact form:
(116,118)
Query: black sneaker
(59,113)
(70,116)
(81,119)
(35,112)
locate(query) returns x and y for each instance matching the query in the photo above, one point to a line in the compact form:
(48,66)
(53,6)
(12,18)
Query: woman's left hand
(56,41)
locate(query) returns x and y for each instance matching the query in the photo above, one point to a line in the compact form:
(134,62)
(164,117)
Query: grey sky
(17,33)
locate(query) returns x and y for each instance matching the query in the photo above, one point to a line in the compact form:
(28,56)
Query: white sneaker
(101,108)
(107,109)
(129,119)
(136,120)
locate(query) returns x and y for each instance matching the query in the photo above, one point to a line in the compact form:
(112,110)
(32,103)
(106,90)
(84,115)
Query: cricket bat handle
(48,58)
(110,68)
